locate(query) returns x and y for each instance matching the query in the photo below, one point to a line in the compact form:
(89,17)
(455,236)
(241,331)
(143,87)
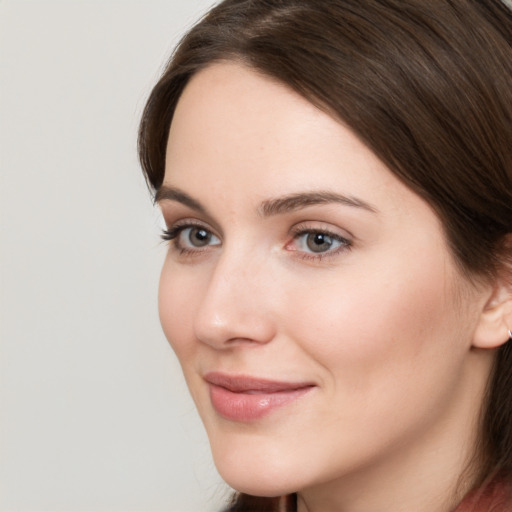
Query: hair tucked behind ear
(426,85)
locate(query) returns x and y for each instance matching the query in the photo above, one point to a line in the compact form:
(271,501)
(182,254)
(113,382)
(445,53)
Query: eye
(190,237)
(317,243)
(196,237)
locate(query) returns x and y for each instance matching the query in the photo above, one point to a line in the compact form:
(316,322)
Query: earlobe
(494,325)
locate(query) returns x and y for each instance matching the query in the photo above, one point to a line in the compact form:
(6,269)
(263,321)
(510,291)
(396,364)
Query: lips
(243,398)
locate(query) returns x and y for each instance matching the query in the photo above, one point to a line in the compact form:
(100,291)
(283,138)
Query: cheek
(379,335)
(176,298)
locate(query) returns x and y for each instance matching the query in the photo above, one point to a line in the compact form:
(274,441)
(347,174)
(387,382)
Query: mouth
(245,399)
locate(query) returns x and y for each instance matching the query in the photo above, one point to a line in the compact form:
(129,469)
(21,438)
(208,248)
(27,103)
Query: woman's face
(322,326)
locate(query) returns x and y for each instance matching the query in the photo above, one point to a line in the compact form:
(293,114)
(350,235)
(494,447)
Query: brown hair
(427,86)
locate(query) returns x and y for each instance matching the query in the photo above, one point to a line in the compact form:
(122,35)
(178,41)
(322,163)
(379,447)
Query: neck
(430,471)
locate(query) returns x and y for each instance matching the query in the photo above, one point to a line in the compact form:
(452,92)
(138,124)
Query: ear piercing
(509,334)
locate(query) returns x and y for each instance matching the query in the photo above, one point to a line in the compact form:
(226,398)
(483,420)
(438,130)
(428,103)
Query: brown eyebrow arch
(300,200)
(269,207)
(175,194)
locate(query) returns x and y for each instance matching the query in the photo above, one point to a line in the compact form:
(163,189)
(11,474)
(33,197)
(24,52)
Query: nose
(237,305)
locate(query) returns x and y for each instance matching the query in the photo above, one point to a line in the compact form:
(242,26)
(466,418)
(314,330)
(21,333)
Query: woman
(336,180)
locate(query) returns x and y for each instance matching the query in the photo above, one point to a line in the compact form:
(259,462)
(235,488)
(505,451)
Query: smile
(245,399)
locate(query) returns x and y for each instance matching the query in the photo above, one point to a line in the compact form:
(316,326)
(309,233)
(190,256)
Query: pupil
(199,237)
(319,242)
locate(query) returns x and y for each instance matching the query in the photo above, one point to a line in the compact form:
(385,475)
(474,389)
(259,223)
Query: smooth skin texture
(358,295)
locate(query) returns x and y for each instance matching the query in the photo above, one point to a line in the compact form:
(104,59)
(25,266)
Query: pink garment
(493,497)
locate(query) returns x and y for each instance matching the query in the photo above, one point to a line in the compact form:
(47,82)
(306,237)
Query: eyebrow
(301,200)
(175,194)
(270,207)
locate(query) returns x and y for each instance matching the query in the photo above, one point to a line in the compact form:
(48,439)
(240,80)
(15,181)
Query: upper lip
(245,383)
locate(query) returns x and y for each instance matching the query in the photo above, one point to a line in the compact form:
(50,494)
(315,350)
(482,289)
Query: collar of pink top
(495,496)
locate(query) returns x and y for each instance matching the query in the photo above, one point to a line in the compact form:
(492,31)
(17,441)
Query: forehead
(231,107)
(232,123)
(239,138)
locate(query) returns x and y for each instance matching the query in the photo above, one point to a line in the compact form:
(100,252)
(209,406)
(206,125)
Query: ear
(495,319)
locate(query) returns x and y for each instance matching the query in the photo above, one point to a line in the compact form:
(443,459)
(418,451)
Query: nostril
(234,330)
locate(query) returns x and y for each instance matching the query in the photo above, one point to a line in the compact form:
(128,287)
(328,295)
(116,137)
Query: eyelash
(172,235)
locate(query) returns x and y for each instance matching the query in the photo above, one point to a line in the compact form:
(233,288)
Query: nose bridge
(234,306)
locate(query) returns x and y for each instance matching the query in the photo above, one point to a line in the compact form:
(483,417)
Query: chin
(255,471)
(256,483)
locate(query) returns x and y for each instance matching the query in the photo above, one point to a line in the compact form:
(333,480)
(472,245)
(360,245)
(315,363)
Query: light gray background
(94,413)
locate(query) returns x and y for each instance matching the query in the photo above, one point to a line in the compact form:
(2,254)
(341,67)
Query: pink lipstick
(242,398)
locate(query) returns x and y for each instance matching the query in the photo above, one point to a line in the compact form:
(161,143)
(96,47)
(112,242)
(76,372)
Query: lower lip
(247,407)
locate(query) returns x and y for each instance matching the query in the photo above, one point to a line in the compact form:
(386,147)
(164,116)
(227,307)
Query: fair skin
(350,289)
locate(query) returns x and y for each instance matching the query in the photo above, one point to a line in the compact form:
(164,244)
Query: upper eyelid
(179,218)
(346,240)
(185,222)
(313,226)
